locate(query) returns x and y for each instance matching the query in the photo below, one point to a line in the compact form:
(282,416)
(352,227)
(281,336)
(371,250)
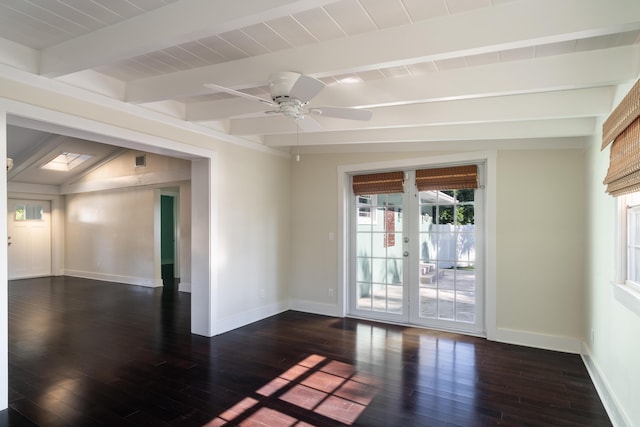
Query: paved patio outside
(444,299)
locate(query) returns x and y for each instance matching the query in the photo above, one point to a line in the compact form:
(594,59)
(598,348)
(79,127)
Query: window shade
(449,178)
(622,131)
(378,183)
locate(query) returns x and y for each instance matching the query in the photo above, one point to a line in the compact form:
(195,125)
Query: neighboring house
(520,87)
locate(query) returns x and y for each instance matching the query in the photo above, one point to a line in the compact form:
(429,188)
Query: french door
(417,252)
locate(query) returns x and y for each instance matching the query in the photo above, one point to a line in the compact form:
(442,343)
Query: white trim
(315,307)
(244,318)
(537,340)
(128,280)
(604,389)
(627,296)
(204,291)
(23,187)
(489,157)
(65,89)
(184,287)
(4,291)
(43,119)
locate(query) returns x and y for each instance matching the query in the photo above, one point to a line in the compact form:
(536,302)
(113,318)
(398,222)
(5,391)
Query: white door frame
(344,198)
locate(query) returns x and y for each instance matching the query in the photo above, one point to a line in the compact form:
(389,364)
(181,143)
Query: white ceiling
(430,70)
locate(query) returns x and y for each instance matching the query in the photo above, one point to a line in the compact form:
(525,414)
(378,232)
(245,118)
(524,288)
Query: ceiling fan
(290,93)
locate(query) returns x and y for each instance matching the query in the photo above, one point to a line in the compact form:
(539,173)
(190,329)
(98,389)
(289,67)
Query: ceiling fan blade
(307,124)
(305,88)
(343,113)
(238,93)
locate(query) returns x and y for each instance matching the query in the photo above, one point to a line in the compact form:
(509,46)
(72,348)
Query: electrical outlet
(330,292)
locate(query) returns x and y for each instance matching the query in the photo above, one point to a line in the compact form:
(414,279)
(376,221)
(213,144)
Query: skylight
(66,161)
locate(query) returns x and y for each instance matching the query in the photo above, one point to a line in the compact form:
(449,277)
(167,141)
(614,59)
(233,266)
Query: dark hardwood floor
(90,353)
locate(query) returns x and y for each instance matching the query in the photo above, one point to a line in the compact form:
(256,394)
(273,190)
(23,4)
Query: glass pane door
(416,257)
(379,290)
(447,291)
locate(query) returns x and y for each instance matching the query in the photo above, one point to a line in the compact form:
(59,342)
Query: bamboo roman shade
(378,183)
(622,131)
(449,178)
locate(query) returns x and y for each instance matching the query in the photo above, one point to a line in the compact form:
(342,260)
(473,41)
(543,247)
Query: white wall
(112,221)
(612,348)
(540,249)
(253,244)
(109,236)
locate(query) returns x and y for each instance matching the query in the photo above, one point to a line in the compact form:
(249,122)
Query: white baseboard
(184,287)
(316,308)
(246,317)
(535,340)
(137,281)
(614,410)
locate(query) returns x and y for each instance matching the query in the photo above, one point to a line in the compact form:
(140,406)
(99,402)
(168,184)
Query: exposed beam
(217,110)
(18,56)
(551,143)
(467,132)
(561,72)
(175,23)
(504,26)
(535,106)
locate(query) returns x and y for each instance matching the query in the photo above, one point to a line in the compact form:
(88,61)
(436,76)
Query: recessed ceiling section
(44,158)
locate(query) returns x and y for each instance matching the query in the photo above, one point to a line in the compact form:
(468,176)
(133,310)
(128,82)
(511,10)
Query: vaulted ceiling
(429,70)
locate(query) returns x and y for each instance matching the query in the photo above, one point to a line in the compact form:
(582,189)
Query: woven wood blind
(449,178)
(622,131)
(378,183)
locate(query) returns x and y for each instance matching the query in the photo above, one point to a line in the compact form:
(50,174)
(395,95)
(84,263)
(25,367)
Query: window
(629,259)
(632,206)
(627,282)
(28,213)
(66,161)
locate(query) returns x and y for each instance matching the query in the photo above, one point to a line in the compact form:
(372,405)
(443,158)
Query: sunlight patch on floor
(329,388)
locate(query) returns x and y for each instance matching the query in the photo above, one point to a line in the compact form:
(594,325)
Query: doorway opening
(169,238)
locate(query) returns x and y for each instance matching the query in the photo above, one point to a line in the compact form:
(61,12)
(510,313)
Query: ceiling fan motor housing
(280,85)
